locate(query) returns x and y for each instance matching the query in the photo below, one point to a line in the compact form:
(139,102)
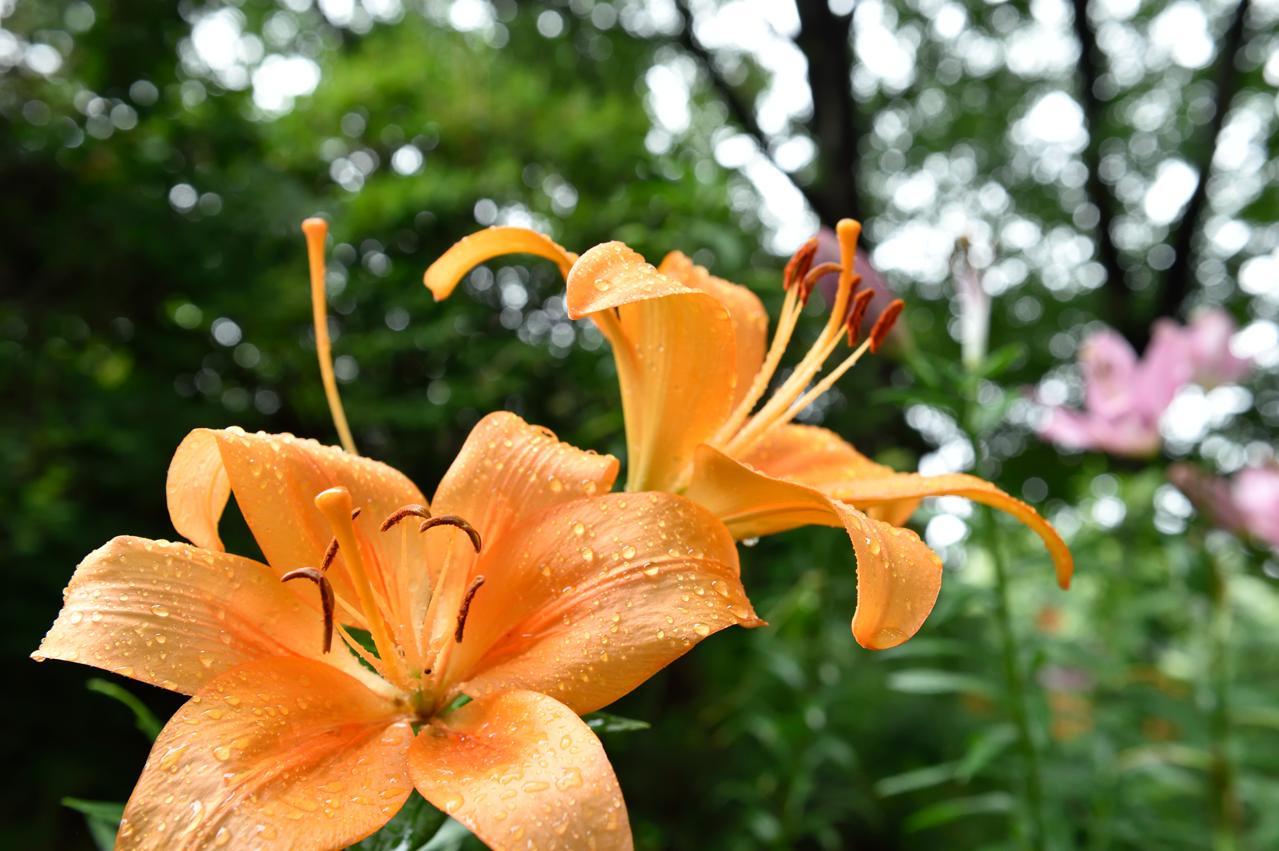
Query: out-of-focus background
(1107,162)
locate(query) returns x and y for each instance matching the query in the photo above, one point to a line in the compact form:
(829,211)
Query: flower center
(745,430)
(384,608)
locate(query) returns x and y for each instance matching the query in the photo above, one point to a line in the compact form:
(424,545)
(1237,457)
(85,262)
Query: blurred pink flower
(1247,503)
(1208,347)
(1255,493)
(1123,397)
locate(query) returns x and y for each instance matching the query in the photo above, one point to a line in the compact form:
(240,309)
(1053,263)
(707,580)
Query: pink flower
(1124,397)
(1255,493)
(1247,503)
(1208,347)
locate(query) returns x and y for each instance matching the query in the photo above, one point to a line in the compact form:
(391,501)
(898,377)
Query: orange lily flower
(526,586)
(695,364)
(538,594)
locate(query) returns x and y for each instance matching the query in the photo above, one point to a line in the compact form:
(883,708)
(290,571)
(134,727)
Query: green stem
(1015,685)
(1225,800)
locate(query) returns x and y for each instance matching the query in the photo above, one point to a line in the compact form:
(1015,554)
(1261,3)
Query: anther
(885,323)
(799,264)
(413,510)
(331,551)
(857,314)
(326,597)
(466,608)
(814,275)
(453,520)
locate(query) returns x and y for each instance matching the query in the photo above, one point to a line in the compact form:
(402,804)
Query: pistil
(335,505)
(317,231)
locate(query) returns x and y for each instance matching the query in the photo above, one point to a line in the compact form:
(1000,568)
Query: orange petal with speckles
(176,616)
(445,273)
(521,770)
(898,576)
(281,753)
(750,319)
(592,598)
(676,359)
(820,459)
(506,472)
(275,478)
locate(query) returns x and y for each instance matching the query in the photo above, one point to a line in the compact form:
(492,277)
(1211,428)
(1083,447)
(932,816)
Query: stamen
(335,505)
(857,314)
(413,510)
(884,324)
(316,231)
(326,597)
(453,520)
(814,275)
(466,608)
(801,261)
(330,553)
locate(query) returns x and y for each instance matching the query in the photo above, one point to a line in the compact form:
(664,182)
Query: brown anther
(326,597)
(814,275)
(330,553)
(453,520)
(466,608)
(799,264)
(884,323)
(857,314)
(412,510)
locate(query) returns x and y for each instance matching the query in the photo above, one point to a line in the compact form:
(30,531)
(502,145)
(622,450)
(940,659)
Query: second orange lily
(695,365)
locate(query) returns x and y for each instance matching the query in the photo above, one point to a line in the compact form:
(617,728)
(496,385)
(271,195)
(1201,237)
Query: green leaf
(957,808)
(985,748)
(413,827)
(450,837)
(919,778)
(102,818)
(930,681)
(143,717)
(606,722)
(1001,359)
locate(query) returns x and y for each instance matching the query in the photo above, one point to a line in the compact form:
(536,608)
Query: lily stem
(1015,685)
(1225,801)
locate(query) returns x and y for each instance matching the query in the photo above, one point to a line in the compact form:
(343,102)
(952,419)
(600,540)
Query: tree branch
(1118,292)
(740,109)
(1180,275)
(825,38)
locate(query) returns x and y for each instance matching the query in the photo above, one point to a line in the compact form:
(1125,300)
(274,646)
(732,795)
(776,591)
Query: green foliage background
(114,342)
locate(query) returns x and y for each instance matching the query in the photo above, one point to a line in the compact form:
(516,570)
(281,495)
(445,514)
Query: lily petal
(750,319)
(507,470)
(676,359)
(521,770)
(281,753)
(821,459)
(445,273)
(176,616)
(592,598)
(275,478)
(898,576)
